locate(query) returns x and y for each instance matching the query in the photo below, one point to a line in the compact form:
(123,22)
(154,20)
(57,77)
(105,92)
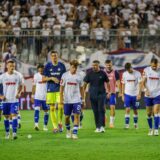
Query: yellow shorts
(53,97)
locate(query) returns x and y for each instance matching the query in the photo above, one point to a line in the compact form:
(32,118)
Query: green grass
(114,144)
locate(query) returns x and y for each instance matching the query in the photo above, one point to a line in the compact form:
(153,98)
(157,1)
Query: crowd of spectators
(91,19)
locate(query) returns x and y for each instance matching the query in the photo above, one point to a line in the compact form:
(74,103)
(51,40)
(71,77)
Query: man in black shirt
(97,80)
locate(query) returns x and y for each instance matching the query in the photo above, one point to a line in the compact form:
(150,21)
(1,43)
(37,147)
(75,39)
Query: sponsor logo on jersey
(10,83)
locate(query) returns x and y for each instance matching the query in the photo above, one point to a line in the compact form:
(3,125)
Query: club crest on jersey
(59,69)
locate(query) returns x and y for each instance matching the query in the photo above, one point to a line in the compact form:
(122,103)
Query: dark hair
(154,60)
(108,61)
(10,61)
(40,66)
(128,66)
(74,63)
(96,61)
(53,51)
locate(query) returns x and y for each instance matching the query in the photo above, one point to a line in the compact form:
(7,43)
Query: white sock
(111,120)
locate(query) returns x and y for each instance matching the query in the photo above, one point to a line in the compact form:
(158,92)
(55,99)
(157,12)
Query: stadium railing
(32,46)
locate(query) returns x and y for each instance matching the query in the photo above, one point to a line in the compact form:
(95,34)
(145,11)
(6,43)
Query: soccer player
(82,113)
(71,92)
(151,83)
(97,78)
(39,97)
(12,87)
(131,93)
(53,72)
(19,115)
(114,80)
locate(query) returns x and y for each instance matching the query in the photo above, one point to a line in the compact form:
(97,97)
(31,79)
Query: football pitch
(114,144)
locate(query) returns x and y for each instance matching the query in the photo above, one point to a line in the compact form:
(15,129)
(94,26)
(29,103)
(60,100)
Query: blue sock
(6,124)
(36,115)
(156,121)
(149,119)
(14,125)
(68,126)
(46,117)
(72,117)
(135,119)
(127,118)
(75,129)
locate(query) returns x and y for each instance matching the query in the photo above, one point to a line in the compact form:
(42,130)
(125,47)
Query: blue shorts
(10,108)
(111,100)
(152,101)
(131,101)
(69,108)
(41,103)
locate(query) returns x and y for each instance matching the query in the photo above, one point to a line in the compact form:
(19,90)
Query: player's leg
(10,122)
(156,109)
(106,118)
(101,111)
(127,105)
(14,113)
(149,112)
(19,115)
(76,111)
(81,118)
(37,105)
(6,113)
(94,104)
(45,107)
(135,105)
(19,119)
(72,117)
(60,112)
(51,101)
(67,113)
(112,110)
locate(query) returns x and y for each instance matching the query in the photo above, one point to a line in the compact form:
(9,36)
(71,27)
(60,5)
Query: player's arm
(144,87)
(54,79)
(61,94)
(85,84)
(47,77)
(62,85)
(139,87)
(123,87)
(2,97)
(118,83)
(19,91)
(33,93)
(107,86)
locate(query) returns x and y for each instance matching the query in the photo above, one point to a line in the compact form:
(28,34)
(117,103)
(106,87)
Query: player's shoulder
(36,75)
(61,64)
(147,69)
(124,73)
(137,72)
(3,75)
(18,73)
(48,64)
(66,74)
